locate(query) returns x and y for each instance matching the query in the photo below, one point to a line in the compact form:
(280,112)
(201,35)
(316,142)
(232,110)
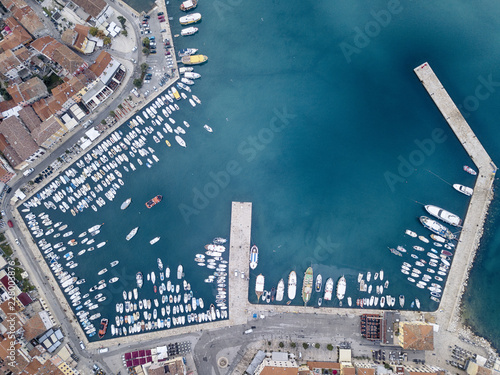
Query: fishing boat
(341,287)
(470,170)
(307,285)
(319,283)
(154,201)
(132,233)
(114,263)
(292,285)
(443,215)
(463,189)
(437,228)
(103,328)
(190,18)
(281,290)
(126,203)
(188,5)
(254,257)
(154,240)
(103,271)
(259,286)
(328,290)
(207,128)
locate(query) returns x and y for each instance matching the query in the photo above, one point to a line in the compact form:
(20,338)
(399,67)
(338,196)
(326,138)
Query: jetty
(478,206)
(239,250)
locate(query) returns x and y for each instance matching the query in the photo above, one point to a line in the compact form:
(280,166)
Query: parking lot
(161,58)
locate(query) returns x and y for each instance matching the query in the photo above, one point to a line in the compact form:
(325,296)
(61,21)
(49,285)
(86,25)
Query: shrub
(293,345)
(329,347)
(281,345)
(305,345)
(317,346)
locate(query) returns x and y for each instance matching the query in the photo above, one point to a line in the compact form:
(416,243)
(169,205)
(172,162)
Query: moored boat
(437,228)
(103,328)
(259,286)
(190,18)
(319,283)
(139,279)
(292,285)
(281,290)
(307,285)
(154,201)
(126,204)
(154,240)
(188,5)
(341,287)
(470,170)
(194,59)
(463,189)
(189,31)
(254,257)
(328,290)
(443,215)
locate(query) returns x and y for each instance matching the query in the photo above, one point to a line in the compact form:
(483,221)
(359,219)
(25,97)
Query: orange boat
(154,201)
(104,327)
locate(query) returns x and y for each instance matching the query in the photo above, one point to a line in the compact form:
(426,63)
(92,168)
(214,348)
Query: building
(13,63)
(29,118)
(277,363)
(28,92)
(174,366)
(9,153)
(20,139)
(77,38)
(15,35)
(316,366)
(94,8)
(28,18)
(371,326)
(69,61)
(416,336)
(49,132)
(474,368)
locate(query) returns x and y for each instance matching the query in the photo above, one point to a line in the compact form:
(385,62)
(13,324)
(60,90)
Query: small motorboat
(470,170)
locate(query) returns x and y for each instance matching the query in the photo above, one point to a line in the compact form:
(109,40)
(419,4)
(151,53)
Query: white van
(103,350)
(27,172)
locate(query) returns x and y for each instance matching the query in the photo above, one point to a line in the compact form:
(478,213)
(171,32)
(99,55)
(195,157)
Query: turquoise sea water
(319,121)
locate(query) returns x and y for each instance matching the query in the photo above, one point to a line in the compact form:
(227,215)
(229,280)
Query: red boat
(154,201)
(154,288)
(470,170)
(446,253)
(104,327)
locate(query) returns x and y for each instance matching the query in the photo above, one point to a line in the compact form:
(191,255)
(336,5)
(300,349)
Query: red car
(10,224)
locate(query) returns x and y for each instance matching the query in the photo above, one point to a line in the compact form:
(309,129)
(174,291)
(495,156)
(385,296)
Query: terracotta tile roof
(9,153)
(34,327)
(33,89)
(67,90)
(82,29)
(46,130)
(272,370)
(20,363)
(28,18)
(8,61)
(6,105)
(324,365)
(417,336)
(5,175)
(101,63)
(10,3)
(92,7)
(366,371)
(19,138)
(38,368)
(18,35)
(29,117)
(349,371)
(23,54)
(42,108)
(69,36)
(59,53)
(172,367)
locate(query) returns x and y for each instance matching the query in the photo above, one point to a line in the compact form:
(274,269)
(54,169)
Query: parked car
(160,13)
(17,241)
(27,172)
(134,49)
(10,224)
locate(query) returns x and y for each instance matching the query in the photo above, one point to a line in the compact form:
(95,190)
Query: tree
(112,113)
(137,83)
(145,42)
(122,20)
(316,346)
(145,51)
(93,31)
(305,345)
(293,345)
(281,344)
(103,122)
(106,41)
(120,106)
(329,347)
(124,32)
(144,67)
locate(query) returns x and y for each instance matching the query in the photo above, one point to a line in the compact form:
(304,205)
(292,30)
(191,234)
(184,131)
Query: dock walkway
(241,228)
(478,205)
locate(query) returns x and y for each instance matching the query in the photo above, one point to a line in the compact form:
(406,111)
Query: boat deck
(239,250)
(478,206)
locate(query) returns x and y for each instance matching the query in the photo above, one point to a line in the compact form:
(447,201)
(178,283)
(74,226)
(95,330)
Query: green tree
(93,31)
(329,347)
(137,83)
(145,51)
(103,122)
(112,113)
(124,32)
(106,41)
(281,344)
(120,106)
(144,68)
(145,42)
(122,20)
(293,345)
(305,345)
(316,346)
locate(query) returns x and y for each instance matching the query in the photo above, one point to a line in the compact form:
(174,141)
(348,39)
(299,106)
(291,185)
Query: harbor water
(320,122)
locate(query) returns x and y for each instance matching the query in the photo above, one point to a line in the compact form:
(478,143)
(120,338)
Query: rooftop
(46,130)
(18,137)
(29,19)
(101,63)
(17,36)
(29,117)
(8,152)
(92,7)
(416,336)
(59,53)
(32,89)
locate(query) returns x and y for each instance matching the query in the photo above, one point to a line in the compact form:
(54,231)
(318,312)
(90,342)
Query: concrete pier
(478,206)
(241,229)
